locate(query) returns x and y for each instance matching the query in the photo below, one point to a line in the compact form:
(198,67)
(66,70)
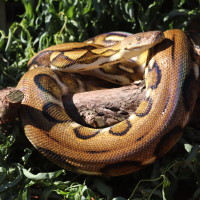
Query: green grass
(24,173)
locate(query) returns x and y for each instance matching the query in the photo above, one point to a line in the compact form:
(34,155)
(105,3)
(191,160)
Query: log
(95,108)
(106,107)
(10,102)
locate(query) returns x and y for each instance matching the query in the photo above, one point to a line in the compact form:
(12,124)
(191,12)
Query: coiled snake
(171,80)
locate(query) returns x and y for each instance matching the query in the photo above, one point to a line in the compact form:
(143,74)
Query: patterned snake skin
(171,74)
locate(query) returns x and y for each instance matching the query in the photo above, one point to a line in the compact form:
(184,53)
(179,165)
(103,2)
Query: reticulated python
(171,80)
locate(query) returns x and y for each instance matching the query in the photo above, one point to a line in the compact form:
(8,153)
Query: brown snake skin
(171,81)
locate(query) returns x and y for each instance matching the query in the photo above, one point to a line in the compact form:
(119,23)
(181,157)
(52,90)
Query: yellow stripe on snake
(171,74)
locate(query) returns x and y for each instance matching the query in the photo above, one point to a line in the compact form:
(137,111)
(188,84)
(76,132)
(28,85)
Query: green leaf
(70,12)
(193,150)
(165,186)
(2,38)
(188,147)
(43,176)
(87,8)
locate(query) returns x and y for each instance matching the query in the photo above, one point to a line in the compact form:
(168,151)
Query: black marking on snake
(128,126)
(59,55)
(188,89)
(52,138)
(89,54)
(173,47)
(41,59)
(85,47)
(66,58)
(158,75)
(167,141)
(47,115)
(119,165)
(140,138)
(49,81)
(97,152)
(31,112)
(54,156)
(85,137)
(146,112)
(81,48)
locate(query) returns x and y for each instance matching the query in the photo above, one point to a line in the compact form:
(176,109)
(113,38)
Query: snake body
(157,124)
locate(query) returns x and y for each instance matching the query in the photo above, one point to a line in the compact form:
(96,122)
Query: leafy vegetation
(23,173)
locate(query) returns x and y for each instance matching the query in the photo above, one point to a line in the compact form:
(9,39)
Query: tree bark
(95,108)
(106,107)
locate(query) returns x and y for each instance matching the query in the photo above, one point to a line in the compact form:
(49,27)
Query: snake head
(140,42)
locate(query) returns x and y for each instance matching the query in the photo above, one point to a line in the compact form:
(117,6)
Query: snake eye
(138,38)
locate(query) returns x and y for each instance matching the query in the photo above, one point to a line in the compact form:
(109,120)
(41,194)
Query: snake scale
(171,74)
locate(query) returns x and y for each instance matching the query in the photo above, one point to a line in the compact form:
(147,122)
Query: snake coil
(171,74)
